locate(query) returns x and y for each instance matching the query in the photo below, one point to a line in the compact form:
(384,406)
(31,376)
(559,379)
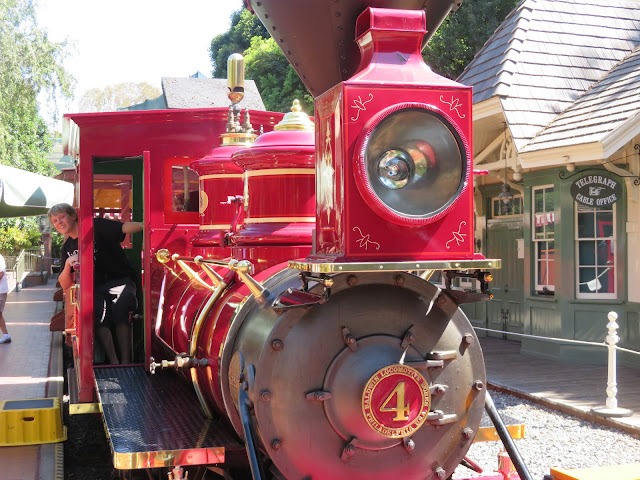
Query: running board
(156,420)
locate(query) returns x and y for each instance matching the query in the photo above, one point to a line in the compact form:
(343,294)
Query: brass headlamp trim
(321,267)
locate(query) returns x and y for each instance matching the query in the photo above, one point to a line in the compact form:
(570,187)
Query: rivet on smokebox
(409,444)
(276,443)
(352,280)
(467,338)
(399,280)
(277,344)
(265,395)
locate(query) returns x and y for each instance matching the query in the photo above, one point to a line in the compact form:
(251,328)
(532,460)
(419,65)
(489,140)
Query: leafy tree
(244,26)
(449,51)
(275,78)
(19,233)
(464,33)
(113,97)
(278,82)
(29,64)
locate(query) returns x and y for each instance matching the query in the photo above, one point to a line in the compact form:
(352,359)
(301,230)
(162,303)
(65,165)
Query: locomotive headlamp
(395,168)
(412,165)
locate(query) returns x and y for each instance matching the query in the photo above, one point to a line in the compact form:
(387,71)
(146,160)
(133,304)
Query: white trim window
(543,238)
(516,208)
(595,237)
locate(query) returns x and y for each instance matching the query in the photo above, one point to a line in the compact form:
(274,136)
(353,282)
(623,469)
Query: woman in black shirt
(114,278)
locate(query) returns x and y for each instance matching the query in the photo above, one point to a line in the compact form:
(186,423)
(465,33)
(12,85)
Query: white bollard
(611,409)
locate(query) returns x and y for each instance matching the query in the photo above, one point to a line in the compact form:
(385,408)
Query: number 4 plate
(396,400)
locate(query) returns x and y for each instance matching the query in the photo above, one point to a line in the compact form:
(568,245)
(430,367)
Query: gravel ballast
(554,439)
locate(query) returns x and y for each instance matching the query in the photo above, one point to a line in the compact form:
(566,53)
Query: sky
(136,41)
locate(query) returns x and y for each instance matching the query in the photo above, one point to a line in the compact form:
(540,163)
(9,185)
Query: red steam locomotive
(288,328)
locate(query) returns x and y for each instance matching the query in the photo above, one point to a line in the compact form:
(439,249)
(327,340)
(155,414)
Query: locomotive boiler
(298,304)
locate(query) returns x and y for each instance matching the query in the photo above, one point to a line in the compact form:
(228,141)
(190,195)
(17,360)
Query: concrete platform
(30,368)
(569,387)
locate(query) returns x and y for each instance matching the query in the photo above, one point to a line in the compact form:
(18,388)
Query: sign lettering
(596,190)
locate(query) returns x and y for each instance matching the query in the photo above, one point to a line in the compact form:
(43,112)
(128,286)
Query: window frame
(170,215)
(614,242)
(518,197)
(123,208)
(547,288)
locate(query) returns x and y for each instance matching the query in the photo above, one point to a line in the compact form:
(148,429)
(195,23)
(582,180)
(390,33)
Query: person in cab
(114,296)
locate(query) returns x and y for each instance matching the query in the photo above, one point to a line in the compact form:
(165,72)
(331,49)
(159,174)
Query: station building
(556,94)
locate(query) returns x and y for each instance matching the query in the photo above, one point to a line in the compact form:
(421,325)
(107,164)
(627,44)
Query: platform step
(31,422)
(617,472)
(488,433)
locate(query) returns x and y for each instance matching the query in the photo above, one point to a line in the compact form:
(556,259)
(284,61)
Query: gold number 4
(401,410)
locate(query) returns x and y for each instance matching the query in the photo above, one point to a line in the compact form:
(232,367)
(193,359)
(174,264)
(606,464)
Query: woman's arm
(66,275)
(132,227)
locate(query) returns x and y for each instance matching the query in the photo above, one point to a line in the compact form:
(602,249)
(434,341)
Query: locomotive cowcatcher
(287,327)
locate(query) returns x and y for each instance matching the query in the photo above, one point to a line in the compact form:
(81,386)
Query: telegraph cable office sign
(596,190)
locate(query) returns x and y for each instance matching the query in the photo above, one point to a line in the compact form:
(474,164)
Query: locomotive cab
(134,166)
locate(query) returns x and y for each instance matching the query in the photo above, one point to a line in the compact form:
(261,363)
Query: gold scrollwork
(364,240)
(454,104)
(457,236)
(360,106)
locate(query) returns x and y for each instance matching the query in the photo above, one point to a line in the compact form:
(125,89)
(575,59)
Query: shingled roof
(206,93)
(546,55)
(611,102)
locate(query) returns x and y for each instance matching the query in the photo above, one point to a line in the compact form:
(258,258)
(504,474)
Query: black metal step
(156,420)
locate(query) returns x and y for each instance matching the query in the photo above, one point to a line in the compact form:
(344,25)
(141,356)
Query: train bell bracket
(293,298)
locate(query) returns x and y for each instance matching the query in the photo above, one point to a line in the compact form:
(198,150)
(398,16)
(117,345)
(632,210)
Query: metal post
(505,436)
(611,409)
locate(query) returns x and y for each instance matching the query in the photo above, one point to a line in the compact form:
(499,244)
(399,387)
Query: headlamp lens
(415,163)
(395,168)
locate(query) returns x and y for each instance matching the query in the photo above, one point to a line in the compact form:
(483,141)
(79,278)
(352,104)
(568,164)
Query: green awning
(23,193)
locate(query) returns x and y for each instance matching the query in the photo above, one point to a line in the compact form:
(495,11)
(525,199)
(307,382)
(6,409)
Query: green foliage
(56,245)
(19,233)
(276,79)
(29,65)
(244,26)
(463,33)
(450,50)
